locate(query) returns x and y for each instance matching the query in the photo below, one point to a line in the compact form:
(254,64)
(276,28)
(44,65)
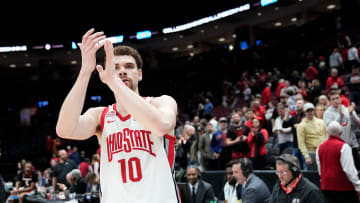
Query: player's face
(127,70)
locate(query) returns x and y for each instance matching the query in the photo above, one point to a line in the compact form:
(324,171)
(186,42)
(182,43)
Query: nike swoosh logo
(110,121)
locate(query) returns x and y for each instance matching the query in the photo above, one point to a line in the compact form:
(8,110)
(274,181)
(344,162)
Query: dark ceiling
(65,21)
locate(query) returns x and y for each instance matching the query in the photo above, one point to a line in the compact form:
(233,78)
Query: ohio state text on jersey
(136,165)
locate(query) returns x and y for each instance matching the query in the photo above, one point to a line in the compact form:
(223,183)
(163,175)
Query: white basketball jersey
(136,166)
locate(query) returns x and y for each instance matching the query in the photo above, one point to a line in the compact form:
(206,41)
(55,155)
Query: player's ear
(140,74)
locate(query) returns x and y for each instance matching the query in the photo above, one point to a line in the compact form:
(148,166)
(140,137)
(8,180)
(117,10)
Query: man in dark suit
(254,189)
(196,190)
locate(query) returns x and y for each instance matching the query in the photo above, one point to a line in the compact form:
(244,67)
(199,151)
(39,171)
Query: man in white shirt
(284,135)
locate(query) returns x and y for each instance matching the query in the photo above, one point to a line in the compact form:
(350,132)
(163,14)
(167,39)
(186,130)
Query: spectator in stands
(335,60)
(292,186)
(247,93)
(256,140)
(310,133)
(311,72)
(338,176)
(281,85)
(95,164)
(197,190)
(293,122)
(323,100)
(319,111)
(314,90)
(208,109)
(230,195)
(303,89)
(85,167)
(45,179)
(259,110)
(26,182)
(254,190)
(236,138)
(334,81)
(21,165)
(338,112)
(76,182)
(284,135)
(354,84)
(92,181)
(211,146)
(62,168)
(75,155)
(353,56)
(266,94)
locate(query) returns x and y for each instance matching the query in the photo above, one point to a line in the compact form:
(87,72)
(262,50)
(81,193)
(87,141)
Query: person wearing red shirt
(257,139)
(266,94)
(334,81)
(84,167)
(280,86)
(259,110)
(311,72)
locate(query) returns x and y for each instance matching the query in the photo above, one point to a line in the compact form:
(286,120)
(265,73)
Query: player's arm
(159,116)
(71,124)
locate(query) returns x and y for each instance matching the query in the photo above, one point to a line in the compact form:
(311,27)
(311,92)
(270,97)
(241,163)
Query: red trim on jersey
(102,119)
(171,151)
(127,117)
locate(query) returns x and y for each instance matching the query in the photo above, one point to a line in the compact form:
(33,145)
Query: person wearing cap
(311,132)
(217,145)
(338,176)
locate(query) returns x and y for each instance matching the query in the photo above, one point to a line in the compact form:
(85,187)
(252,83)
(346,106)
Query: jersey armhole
(102,119)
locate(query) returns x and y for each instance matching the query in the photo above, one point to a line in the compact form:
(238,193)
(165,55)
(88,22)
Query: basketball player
(136,134)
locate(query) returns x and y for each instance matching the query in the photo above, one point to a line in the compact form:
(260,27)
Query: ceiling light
(276,8)
(277,24)
(164,38)
(181,36)
(231,47)
(27,64)
(259,13)
(47,47)
(233,35)
(73,62)
(331,6)
(191,54)
(294,19)
(221,39)
(190,46)
(175,49)
(12,66)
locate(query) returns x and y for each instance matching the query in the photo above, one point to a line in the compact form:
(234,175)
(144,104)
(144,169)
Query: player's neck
(121,109)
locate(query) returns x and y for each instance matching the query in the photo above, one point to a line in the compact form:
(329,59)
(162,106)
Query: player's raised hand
(91,42)
(108,74)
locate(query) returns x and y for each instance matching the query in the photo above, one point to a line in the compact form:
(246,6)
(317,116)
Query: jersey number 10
(134,161)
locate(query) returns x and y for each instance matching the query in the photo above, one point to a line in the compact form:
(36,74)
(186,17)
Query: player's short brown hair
(129,51)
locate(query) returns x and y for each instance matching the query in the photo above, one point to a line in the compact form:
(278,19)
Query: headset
(246,166)
(294,169)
